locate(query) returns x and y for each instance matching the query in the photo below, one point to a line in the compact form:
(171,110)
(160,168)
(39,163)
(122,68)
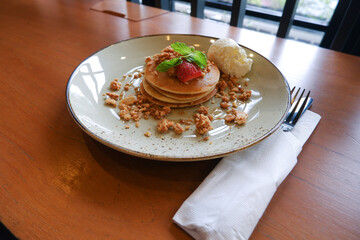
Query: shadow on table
(129,168)
(5,234)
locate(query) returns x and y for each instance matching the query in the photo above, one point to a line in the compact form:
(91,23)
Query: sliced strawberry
(187,71)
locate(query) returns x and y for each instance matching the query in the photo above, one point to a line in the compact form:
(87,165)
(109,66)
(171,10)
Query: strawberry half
(187,71)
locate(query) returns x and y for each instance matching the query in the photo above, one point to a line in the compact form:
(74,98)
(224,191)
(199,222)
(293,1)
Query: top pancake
(173,85)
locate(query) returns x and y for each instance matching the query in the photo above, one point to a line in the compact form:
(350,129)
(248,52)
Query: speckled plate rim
(159,157)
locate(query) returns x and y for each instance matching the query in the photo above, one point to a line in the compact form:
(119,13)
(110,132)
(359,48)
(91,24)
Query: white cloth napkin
(230,201)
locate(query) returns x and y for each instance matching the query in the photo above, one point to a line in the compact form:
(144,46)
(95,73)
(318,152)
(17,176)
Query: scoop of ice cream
(229,57)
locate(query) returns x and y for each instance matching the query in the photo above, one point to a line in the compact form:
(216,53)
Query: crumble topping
(164,125)
(115,85)
(111,102)
(178,129)
(202,123)
(133,107)
(236,116)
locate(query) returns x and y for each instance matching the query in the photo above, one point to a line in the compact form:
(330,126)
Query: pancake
(176,105)
(158,94)
(180,96)
(162,81)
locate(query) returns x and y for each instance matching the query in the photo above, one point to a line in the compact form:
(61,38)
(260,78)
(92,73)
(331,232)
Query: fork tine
(293,99)
(294,114)
(301,108)
(292,90)
(288,119)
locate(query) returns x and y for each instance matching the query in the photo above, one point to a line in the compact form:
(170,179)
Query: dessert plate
(85,90)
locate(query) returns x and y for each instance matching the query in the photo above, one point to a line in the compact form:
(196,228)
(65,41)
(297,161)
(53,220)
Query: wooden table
(58,183)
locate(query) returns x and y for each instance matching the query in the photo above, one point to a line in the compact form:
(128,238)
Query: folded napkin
(230,201)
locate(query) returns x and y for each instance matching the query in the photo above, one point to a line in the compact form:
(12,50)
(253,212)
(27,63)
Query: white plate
(91,79)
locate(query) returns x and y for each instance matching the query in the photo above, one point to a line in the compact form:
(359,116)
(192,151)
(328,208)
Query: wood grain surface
(58,183)
(128,10)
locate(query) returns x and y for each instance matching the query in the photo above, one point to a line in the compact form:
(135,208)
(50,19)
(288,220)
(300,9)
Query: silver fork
(298,107)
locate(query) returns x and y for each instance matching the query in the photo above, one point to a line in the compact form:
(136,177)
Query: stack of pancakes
(165,90)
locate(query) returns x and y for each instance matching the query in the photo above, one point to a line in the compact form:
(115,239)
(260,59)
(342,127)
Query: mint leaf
(188,53)
(197,57)
(181,48)
(167,64)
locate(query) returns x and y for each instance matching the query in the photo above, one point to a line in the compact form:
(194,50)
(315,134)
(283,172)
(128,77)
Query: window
(311,18)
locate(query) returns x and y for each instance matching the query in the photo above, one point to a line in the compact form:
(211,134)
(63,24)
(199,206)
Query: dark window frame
(267,14)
